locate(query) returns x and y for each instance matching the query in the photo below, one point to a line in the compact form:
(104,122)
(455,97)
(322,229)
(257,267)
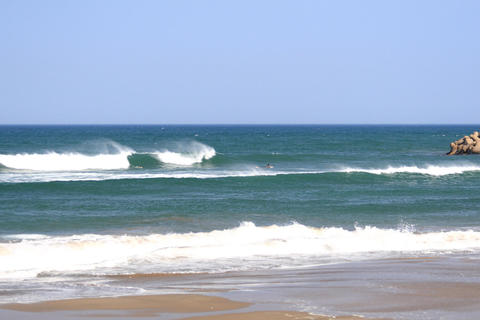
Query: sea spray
(186,154)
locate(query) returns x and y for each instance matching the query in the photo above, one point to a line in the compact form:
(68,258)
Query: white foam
(116,175)
(53,161)
(26,236)
(120,161)
(433,170)
(244,247)
(71,161)
(190,153)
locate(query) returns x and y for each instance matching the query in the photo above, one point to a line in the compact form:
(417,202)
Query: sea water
(81,203)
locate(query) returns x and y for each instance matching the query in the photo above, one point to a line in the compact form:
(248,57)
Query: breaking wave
(69,161)
(112,156)
(433,170)
(188,154)
(102,176)
(244,247)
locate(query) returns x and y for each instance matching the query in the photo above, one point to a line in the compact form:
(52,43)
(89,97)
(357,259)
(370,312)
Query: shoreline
(145,306)
(404,288)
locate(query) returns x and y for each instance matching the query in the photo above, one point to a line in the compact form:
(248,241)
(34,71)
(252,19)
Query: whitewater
(193,152)
(77,167)
(239,248)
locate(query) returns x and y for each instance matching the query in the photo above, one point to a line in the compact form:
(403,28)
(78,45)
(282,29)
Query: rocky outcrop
(466,145)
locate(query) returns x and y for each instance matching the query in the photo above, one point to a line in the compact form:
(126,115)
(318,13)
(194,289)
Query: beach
(156,306)
(238,222)
(407,288)
(239,160)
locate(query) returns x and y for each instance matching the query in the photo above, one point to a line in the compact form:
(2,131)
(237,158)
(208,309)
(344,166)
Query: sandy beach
(404,288)
(173,303)
(156,305)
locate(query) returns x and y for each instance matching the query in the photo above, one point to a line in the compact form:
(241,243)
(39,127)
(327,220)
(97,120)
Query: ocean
(81,206)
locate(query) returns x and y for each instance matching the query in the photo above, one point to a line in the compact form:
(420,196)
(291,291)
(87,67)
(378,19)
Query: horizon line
(239,124)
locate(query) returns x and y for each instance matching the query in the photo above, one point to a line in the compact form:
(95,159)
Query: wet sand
(169,303)
(445,287)
(273,315)
(151,275)
(150,306)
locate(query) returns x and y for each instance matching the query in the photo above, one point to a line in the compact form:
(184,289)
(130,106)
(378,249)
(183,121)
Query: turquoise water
(137,199)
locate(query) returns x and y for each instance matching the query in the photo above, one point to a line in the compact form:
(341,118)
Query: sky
(239,62)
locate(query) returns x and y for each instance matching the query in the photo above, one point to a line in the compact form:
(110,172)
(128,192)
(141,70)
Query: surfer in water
(268,166)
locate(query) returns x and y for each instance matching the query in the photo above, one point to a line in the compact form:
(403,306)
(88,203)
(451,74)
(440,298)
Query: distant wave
(244,247)
(69,161)
(115,162)
(139,173)
(433,170)
(189,153)
(119,157)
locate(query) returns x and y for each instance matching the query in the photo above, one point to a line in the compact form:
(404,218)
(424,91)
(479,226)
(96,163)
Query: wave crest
(187,154)
(69,161)
(246,246)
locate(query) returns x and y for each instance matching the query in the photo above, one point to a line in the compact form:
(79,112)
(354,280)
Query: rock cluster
(466,145)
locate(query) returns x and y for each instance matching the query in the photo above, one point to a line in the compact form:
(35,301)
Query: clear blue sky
(256,61)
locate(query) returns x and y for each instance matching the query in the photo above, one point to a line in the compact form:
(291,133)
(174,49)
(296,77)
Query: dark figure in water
(268,166)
